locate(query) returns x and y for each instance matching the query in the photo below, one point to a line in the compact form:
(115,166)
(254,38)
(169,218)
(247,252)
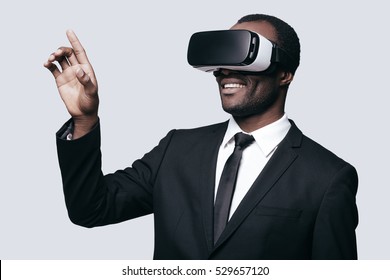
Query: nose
(225,71)
(222,71)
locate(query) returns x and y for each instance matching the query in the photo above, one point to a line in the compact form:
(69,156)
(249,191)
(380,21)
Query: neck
(254,122)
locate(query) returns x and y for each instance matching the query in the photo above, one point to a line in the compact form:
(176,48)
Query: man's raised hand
(76,83)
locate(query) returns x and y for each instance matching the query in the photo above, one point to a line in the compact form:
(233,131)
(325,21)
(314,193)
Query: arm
(93,199)
(334,230)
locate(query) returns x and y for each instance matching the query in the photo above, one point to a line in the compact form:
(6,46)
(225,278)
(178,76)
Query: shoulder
(195,138)
(316,155)
(213,129)
(204,129)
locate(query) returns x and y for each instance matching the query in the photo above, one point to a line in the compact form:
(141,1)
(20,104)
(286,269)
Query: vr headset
(239,50)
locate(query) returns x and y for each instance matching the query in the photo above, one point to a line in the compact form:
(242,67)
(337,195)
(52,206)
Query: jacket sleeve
(334,231)
(93,199)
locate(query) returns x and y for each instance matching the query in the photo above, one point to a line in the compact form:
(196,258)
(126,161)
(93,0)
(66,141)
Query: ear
(286,78)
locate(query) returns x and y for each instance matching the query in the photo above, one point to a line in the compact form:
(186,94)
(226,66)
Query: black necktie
(227,184)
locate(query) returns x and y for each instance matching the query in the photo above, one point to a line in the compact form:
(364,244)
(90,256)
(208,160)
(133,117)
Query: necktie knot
(243,140)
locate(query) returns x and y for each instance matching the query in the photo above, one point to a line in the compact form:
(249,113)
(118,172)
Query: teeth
(233,86)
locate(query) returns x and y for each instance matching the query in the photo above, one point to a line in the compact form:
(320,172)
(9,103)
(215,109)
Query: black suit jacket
(301,206)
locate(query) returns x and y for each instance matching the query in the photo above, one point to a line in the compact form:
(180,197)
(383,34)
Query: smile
(233,85)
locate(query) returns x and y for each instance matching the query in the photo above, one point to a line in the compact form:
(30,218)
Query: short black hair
(286,35)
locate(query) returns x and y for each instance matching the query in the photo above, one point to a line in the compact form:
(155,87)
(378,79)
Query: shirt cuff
(66,131)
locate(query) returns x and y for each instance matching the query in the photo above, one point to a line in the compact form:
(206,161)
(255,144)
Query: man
(291,199)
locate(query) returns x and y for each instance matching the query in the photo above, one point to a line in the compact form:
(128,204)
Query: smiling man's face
(246,95)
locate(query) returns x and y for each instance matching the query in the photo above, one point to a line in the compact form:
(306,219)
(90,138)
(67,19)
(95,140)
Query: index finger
(77,47)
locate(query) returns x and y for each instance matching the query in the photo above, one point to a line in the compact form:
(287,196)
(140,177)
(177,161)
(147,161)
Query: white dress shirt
(254,157)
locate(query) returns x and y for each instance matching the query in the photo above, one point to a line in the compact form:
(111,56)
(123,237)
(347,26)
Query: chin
(238,112)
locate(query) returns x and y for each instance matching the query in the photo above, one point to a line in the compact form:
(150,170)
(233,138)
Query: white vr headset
(239,50)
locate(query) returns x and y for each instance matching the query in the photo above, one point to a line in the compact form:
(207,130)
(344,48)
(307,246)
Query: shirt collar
(267,137)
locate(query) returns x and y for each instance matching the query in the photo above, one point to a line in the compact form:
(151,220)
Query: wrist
(83,125)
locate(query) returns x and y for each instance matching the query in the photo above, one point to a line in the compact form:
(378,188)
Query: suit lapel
(282,159)
(209,156)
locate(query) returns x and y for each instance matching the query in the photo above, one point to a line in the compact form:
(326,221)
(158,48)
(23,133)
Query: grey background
(339,98)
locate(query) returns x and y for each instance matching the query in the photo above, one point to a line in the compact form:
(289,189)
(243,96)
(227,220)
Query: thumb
(83,78)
